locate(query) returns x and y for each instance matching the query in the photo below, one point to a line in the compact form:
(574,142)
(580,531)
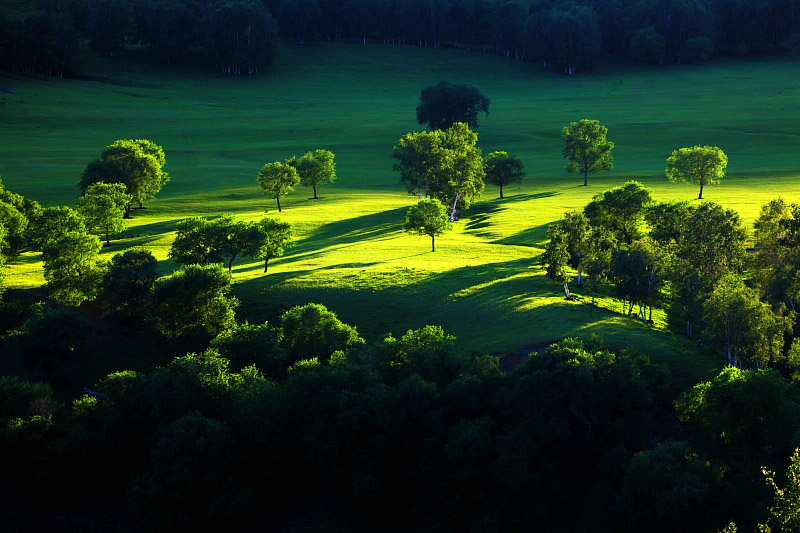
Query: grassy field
(483,283)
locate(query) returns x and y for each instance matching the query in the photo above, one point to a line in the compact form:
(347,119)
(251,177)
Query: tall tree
(195,243)
(315,168)
(556,256)
(278,179)
(127,284)
(444,104)
(103,208)
(71,266)
(269,238)
(136,163)
(242,36)
(621,210)
(503,169)
(428,217)
(312,331)
(193,302)
(419,158)
(586,148)
(461,179)
(746,327)
(703,165)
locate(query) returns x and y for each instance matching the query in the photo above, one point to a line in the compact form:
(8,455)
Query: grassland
(483,283)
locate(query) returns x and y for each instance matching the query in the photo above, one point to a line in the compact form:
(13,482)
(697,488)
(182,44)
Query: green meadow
(484,283)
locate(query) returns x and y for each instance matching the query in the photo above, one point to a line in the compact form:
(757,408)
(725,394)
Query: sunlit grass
(484,283)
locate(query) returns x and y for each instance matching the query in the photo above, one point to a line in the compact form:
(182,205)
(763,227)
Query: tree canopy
(502,169)
(586,148)
(315,168)
(444,104)
(136,163)
(278,179)
(103,208)
(702,165)
(428,217)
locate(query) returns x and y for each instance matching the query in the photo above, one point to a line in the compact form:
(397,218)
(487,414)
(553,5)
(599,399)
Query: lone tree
(278,179)
(503,169)
(315,168)
(103,207)
(444,104)
(428,217)
(268,238)
(586,148)
(136,163)
(704,165)
(446,165)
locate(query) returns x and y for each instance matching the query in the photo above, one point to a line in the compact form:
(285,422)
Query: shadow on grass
(347,232)
(533,236)
(511,198)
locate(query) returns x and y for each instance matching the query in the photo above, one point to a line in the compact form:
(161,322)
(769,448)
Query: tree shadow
(534,236)
(347,232)
(523,197)
(479,217)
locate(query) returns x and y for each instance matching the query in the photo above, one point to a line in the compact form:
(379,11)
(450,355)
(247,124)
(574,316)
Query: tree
(109,25)
(639,273)
(170,29)
(230,236)
(278,179)
(597,259)
(703,165)
(710,245)
(195,243)
(427,351)
(312,331)
(103,207)
(15,224)
(755,412)
(444,104)
(315,168)
(648,46)
(428,217)
(667,221)
(746,327)
(53,222)
(242,36)
(665,485)
(573,228)
(503,169)
(136,163)
(446,164)
(193,302)
(462,172)
(621,210)
(419,156)
(127,285)
(556,256)
(249,344)
(50,339)
(777,246)
(586,148)
(193,466)
(785,513)
(268,238)
(71,266)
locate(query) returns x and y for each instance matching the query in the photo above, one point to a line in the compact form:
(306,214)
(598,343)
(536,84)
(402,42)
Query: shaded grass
(483,283)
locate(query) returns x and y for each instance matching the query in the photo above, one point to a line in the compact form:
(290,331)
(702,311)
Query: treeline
(235,36)
(240,36)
